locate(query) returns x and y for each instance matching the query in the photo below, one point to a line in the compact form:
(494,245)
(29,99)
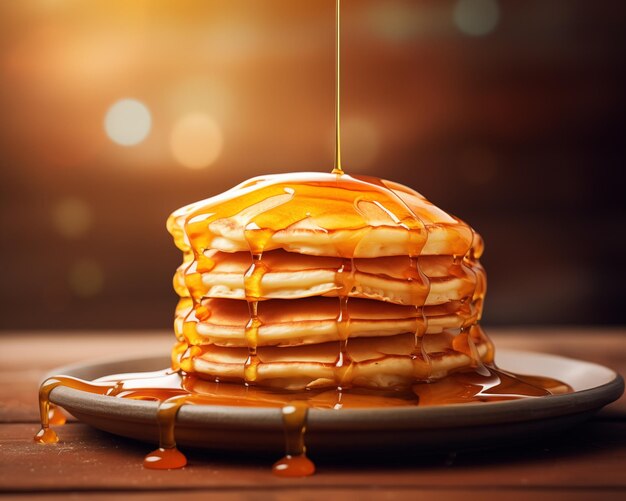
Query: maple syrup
(173,389)
(295,463)
(349,216)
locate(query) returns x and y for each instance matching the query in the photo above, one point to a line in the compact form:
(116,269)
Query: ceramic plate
(443,428)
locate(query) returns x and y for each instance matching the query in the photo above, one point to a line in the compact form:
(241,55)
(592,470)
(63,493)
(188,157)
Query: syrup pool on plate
(172,389)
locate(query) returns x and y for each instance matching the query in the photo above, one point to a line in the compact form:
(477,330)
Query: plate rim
(400,418)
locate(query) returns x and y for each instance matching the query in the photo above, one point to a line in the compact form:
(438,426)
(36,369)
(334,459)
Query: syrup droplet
(167,456)
(46,436)
(293,466)
(165,459)
(295,463)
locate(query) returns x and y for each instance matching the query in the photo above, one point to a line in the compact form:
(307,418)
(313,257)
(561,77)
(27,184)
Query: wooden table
(588,462)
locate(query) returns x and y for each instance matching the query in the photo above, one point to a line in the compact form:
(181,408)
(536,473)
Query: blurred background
(507,113)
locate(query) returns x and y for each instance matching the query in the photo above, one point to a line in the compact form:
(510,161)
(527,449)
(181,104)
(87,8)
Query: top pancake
(320,214)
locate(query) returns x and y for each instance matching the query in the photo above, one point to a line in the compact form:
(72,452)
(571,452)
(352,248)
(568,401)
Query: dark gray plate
(418,428)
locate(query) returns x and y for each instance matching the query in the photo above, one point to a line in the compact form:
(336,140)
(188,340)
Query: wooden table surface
(588,462)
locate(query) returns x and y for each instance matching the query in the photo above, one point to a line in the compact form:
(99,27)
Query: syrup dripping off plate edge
(443,427)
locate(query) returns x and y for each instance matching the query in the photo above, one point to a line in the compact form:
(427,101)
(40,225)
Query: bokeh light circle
(128,122)
(72,217)
(196,140)
(476,17)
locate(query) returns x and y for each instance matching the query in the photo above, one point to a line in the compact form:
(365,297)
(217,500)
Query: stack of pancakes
(315,280)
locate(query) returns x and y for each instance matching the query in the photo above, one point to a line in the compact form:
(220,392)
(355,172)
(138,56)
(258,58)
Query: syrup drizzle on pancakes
(330,203)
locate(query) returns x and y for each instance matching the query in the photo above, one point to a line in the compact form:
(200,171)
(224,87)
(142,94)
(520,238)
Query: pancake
(314,320)
(304,280)
(376,363)
(291,276)
(320,214)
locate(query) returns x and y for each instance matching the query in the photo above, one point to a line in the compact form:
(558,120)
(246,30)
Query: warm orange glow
(72,217)
(493,108)
(196,141)
(86,278)
(361,142)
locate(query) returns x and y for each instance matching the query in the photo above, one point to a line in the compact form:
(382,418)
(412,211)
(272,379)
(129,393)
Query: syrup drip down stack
(314,280)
